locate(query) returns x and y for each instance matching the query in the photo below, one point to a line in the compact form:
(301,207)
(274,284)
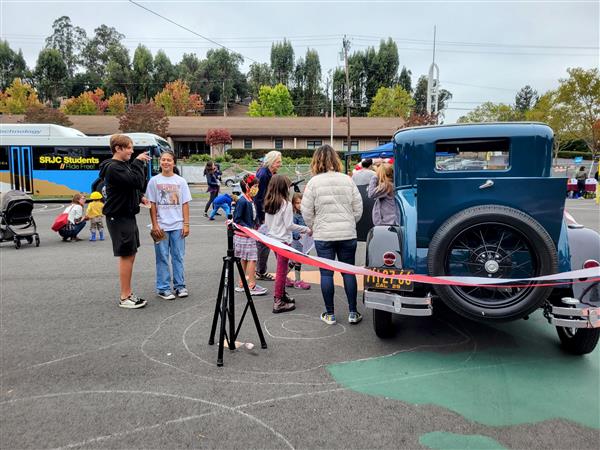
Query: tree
(491,112)
(143,67)
(419,120)
(579,95)
(189,71)
(224,81)
(69,41)
(282,61)
(46,114)
(83,82)
(404,80)
(387,63)
(547,110)
(420,95)
(88,103)
(391,102)
(164,71)
(116,104)
(444,97)
(217,138)
(259,75)
(118,72)
(525,99)
(12,65)
(272,102)
(306,93)
(18,97)
(97,52)
(50,74)
(144,118)
(176,100)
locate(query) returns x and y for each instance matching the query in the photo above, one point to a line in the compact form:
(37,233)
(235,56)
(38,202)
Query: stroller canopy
(12,196)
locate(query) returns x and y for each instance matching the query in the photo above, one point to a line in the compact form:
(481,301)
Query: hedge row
(255,153)
(571,155)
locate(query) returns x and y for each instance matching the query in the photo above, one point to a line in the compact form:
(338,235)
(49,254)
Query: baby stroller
(16,219)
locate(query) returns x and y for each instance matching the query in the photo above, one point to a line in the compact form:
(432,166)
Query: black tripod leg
(250,302)
(222,332)
(231,304)
(211,339)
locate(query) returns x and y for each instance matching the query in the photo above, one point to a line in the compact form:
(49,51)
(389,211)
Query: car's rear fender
(382,239)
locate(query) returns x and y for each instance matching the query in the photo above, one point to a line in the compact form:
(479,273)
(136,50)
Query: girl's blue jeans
(173,248)
(345,251)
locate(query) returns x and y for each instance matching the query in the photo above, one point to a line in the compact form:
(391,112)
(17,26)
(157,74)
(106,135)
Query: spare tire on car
(492,241)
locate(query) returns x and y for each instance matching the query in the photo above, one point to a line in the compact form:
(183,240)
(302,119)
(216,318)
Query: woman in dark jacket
(210,173)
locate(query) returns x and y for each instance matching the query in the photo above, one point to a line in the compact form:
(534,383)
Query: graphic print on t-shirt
(168,195)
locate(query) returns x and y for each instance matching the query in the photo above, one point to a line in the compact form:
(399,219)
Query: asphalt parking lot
(77,371)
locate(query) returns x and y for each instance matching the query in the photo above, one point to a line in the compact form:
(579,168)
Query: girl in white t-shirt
(76,219)
(279,218)
(169,197)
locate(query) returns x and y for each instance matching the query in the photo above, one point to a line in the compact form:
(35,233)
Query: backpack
(61,221)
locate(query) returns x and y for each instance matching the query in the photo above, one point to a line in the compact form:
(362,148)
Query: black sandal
(265,276)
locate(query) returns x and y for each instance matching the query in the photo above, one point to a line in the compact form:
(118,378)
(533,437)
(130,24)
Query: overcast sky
(486,50)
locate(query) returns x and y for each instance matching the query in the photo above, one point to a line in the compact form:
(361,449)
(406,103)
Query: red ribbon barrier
(575,276)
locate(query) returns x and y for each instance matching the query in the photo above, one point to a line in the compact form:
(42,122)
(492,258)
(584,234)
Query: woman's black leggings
(213,195)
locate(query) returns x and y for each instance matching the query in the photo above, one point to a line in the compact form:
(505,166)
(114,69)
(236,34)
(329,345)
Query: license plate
(393,284)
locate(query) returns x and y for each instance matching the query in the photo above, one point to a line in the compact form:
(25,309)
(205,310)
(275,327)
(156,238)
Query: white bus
(49,160)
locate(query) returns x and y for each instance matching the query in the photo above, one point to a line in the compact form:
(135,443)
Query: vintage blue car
(479,200)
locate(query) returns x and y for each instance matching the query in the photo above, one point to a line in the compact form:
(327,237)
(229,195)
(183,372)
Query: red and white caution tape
(571,277)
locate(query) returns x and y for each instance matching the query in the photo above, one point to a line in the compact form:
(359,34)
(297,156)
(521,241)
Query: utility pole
(330,80)
(224,100)
(346,44)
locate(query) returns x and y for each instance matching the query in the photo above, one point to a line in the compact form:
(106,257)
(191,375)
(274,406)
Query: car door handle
(487,184)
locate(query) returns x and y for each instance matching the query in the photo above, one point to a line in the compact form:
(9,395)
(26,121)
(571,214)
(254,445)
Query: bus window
(70,151)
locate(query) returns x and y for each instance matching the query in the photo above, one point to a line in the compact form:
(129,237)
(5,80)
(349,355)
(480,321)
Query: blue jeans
(71,230)
(225,207)
(173,246)
(345,251)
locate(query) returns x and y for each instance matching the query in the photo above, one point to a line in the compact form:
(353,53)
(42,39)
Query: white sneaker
(181,293)
(258,290)
(132,302)
(166,295)
(239,289)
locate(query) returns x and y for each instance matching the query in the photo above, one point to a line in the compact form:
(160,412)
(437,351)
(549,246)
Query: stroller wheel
(29,239)
(37,241)
(17,243)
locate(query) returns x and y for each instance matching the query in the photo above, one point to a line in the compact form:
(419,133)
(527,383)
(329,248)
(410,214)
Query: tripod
(225,304)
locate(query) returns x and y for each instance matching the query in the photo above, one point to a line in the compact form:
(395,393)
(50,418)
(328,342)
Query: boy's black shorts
(124,234)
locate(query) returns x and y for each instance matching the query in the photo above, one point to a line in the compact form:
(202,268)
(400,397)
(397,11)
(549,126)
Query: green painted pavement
(450,441)
(529,380)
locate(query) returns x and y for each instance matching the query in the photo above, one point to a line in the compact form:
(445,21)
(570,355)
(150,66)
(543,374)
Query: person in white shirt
(75,221)
(169,196)
(279,218)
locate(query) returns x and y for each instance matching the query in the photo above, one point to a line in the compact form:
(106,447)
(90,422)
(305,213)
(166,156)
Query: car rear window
(472,155)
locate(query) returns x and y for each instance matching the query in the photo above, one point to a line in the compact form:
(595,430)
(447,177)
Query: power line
(190,30)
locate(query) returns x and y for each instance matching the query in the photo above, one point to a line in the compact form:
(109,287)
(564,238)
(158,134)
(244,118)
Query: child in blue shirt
(223,202)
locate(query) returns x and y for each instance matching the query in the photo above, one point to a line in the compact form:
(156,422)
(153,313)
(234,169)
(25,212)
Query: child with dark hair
(245,247)
(279,218)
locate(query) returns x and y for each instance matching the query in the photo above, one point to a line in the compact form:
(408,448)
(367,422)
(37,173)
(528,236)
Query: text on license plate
(374,282)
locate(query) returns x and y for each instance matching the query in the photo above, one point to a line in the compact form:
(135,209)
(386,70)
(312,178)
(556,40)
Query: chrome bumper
(573,314)
(398,304)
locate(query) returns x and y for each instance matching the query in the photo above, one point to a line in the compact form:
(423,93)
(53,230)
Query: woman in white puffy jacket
(331,206)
